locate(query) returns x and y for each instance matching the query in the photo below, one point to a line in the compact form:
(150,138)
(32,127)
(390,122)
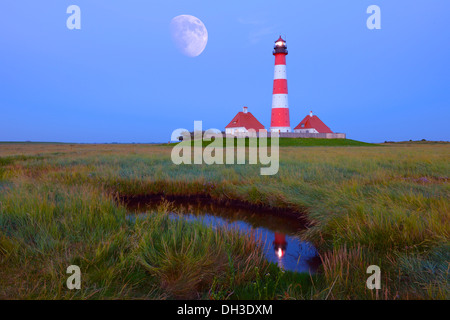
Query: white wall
(280,129)
(235,130)
(306,131)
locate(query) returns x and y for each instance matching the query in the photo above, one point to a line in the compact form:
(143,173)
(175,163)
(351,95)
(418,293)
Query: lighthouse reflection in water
(280,244)
(285,249)
(279,234)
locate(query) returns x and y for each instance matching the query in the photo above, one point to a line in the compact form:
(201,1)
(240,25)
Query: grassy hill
(306,142)
(312,142)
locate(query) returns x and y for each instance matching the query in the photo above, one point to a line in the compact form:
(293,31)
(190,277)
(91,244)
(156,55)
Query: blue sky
(121,79)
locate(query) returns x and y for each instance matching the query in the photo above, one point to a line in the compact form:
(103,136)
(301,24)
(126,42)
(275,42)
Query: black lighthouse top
(280,46)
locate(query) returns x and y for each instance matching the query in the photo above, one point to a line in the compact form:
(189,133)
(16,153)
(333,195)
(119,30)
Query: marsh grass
(366,205)
(187,257)
(48,227)
(427,272)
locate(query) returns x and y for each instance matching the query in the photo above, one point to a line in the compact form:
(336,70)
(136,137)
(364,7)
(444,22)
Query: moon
(189,34)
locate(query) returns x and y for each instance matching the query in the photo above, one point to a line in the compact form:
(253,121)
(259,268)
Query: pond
(277,229)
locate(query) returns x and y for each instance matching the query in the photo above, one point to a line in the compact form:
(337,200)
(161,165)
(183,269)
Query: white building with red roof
(243,122)
(312,124)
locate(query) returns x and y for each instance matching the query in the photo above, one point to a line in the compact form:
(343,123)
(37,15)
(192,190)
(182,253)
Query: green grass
(187,258)
(294,142)
(313,142)
(384,205)
(4,161)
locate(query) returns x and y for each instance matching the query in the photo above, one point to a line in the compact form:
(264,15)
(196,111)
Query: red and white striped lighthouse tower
(280,107)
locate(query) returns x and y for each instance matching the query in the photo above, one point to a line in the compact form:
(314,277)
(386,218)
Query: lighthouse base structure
(294,135)
(280,129)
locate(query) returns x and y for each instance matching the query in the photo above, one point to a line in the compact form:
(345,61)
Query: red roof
(313,123)
(246,120)
(280,39)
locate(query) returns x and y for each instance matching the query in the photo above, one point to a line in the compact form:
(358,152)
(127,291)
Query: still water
(279,234)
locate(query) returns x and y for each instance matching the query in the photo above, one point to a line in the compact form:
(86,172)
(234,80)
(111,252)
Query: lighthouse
(280,107)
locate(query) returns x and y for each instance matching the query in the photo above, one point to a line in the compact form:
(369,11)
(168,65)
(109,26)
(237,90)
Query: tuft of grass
(274,283)
(427,272)
(187,257)
(7,247)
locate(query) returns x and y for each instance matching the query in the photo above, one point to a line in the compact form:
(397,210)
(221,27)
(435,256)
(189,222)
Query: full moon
(189,34)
